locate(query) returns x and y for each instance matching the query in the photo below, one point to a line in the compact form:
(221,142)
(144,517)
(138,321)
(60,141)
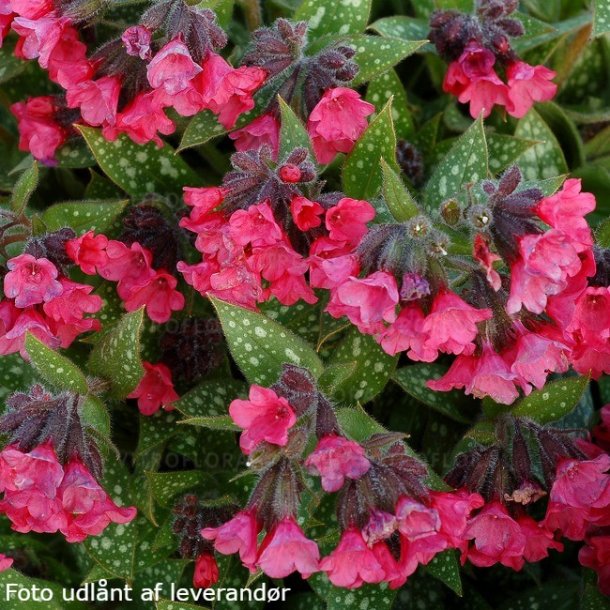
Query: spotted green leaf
(116,354)
(401,26)
(140,169)
(386,87)
(167,485)
(446,568)
(379,597)
(339,17)
(15,375)
(82,216)
(55,368)
(555,400)
(504,150)
(372,372)
(335,375)
(356,423)
(94,414)
(210,398)
(10,65)
(213,422)
(412,379)
(544,160)
(155,431)
(601,17)
(377,54)
(397,196)
(261,346)
(24,187)
(362,175)
(74,154)
(466,162)
(201,129)
(292,132)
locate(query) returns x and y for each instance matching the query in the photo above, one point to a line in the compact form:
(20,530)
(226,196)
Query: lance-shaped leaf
(601,17)
(446,568)
(388,86)
(82,216)
(339,17)
(24,187)
(201,129)
(292,132)
(397,196)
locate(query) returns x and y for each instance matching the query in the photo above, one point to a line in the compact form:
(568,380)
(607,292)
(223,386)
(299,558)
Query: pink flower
(526,85)
(155,389)
(88,251)
(30,482)
(352,563)
(262,131)
(5,562)
(6,19)
(286,549)
(88,508)
(237,535)
(347,220)
(566,211)
(545,264)
(473,79)
(366,302)
(451,325)
(406,334)
(136,40)
(486,258)
(206,571)
(158,295)
(582,484)
(330,272)
(265,416)
(538,539)
(31,280)
(68,64)
(228,91)
(305,213)
(32,9)
(381,526)
(335,459)
(172,68)
(205,199)
(596,556)
(496,538)
(336,122)
(454,509)
(40,36)
(481,375)
(130,266)
(15,323)
(255,226)
(97,99)
(39,132)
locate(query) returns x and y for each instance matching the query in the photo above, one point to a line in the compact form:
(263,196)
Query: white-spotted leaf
(82,216)
(381,90)
(397,196)
(338,17)
(201,129)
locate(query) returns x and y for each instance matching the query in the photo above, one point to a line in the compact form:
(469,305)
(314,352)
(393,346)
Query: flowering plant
(312,294)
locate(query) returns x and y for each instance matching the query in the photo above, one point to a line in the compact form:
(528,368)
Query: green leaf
(412,379)
(356,423)
(340,17)
(261,346)
(446,568)
(377,597)
(336,374)
(15,375)
(373,368)
(602,234)
(55,368)
(401,26)
(155,431)
(74,155)
(292,132)
(139,169)
(362,175)
(397,196)
(544,160)
(601,17)
(24,187)
(10,65)
(165,486)
(210,398)
(466,163)
(386,87)
(116,354)
(94,414)
(82,216)
(377,54)
(553,594)
(201,129)
(504,150)
(553,401)
(213,422)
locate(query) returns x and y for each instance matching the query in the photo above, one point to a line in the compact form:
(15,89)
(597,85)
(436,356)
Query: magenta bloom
(451,325)
(265,416)
(87,506)
(5,562)
(305,213)
(39,131)
(366,302)
(205,199)
(158,295)
(155,390)
(206,571)
(255,226)
(596,556)
(601,432)
(566,211)
(538,539)
(406,334)
(262,131)
(527,85)
(97,99)
(236,536)
(496,538)
(32,9)
(88,251)
(15,323)
(487,374)
(286,549)
(583,484)
(335,459)
(136,40)
(454,509)
(347,220)
(68,64)
(546,262)
(486,258)
(128,265)
(31,280)
(336,122)
(40,36)
(172,68)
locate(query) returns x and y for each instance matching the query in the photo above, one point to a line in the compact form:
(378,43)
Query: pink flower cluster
(40,301)
(247,256)
(138,284)
(473,79)
(155,390)
(41,495)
